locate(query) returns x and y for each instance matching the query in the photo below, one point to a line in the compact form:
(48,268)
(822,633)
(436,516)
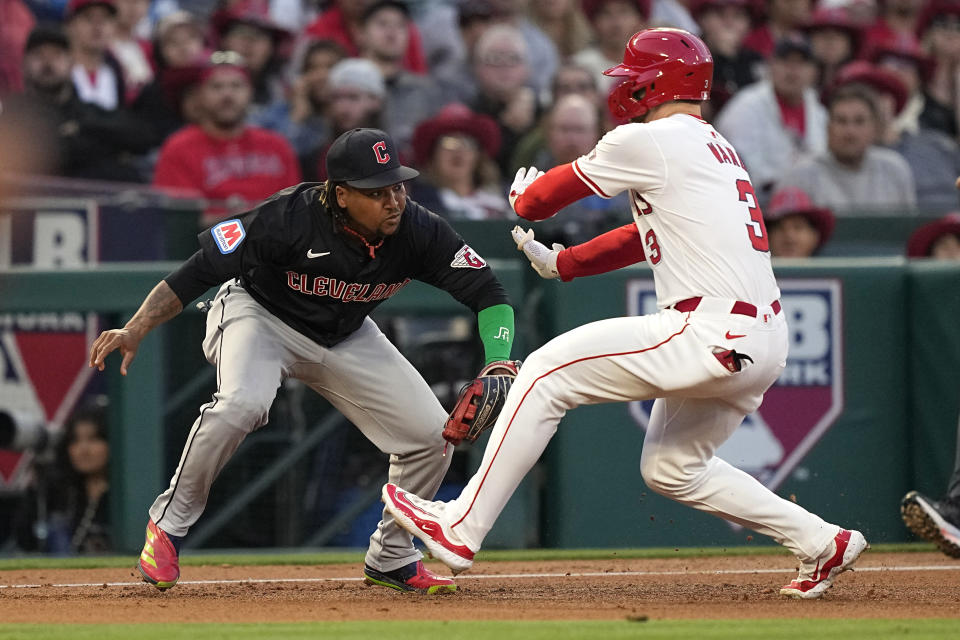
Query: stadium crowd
(836,107)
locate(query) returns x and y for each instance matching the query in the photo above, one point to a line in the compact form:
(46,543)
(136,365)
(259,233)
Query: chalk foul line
(482,576)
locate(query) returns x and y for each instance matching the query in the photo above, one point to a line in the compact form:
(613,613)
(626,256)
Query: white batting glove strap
(521,181)
(542,259)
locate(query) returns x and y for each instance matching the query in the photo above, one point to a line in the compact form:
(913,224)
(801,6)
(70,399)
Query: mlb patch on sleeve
(228,235)
(466,258)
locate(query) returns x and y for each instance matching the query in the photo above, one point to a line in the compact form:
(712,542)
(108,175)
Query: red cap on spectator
(592,7)
(76,6)
(905,47)
(223,60)
(176,19)
(936,9)
(252,12)
(175,81)
(455,118)
(697,7)
(835,18)
(877,78)
(789,201)
(921,241)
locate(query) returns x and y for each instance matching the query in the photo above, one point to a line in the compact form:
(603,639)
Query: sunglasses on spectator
(457,143)
(575,87)
(951,22)
(501,59)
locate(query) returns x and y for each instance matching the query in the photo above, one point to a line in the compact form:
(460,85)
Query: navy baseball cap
(790,45)
(46,34)
(366,159)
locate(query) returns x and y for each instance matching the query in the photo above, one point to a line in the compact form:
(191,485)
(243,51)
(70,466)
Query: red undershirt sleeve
(555,190)
(610,251)
(551,192)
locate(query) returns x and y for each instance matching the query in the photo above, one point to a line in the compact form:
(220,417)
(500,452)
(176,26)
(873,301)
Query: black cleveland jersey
(295,260)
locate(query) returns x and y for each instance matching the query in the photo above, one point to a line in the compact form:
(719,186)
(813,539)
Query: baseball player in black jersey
(300,275)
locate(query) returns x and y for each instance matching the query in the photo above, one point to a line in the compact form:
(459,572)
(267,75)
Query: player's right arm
(158,307)
(241,244)
(627,157)
(610,251)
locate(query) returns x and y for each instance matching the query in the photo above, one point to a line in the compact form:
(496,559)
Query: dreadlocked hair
(328,197)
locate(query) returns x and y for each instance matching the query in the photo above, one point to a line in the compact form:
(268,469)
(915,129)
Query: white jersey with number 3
(705,366)
(693,204)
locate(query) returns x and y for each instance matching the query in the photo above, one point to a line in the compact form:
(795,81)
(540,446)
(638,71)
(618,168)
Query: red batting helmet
(660,65)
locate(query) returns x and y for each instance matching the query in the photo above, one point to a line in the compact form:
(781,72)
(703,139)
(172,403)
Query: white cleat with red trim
(424,519)
(817,576)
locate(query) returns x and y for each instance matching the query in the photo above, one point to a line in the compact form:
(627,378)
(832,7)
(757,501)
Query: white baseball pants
(669,356)
(364,377)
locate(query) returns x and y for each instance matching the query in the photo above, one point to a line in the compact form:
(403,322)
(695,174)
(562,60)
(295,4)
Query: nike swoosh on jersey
(731,336)
(311,254)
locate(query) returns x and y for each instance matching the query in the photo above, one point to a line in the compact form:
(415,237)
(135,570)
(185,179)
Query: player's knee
(665,477)
(246,411)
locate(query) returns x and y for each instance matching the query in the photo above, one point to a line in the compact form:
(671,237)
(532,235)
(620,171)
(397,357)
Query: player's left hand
(480,402)
(523,179)
(542,259)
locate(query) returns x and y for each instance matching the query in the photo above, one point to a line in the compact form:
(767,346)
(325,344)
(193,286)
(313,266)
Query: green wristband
(496,332)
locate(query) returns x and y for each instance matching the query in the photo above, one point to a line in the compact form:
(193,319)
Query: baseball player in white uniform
(716,345)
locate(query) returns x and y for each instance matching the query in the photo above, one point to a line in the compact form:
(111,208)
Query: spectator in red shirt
(343,21)
(223,159)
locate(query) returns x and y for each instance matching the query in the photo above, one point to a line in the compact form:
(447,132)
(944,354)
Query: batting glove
(542,259)
(524,179)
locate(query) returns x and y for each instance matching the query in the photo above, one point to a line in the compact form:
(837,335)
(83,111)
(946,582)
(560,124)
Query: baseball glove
(480,402)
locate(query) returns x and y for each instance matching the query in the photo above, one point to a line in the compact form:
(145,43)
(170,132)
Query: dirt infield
(905,585)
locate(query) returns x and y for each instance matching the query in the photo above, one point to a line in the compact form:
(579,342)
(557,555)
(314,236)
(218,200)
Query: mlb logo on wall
(803,403)
(228,235)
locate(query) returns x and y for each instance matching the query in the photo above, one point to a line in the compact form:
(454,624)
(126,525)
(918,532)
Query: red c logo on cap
(380,150)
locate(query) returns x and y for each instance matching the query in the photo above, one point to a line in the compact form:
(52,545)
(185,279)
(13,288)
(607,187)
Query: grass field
(789,629)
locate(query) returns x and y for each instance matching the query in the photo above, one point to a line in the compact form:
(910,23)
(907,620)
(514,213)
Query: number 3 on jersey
(652,247)
(755,228)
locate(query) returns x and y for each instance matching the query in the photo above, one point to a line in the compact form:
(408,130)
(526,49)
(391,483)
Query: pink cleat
(419,517)
(159,563)
(839,556)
